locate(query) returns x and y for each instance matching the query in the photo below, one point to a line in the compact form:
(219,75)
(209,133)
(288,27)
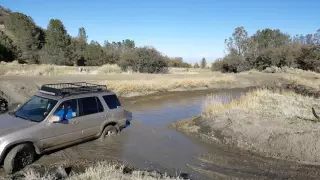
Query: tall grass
(217,104)
(265,103)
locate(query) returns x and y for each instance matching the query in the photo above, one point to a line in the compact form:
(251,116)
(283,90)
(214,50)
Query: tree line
(21,39)
(269,47)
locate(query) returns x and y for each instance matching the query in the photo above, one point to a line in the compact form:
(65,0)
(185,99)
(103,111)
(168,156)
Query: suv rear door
(91,115)
(115,111)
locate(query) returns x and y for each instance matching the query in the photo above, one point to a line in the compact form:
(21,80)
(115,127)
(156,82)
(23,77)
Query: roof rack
(64,89)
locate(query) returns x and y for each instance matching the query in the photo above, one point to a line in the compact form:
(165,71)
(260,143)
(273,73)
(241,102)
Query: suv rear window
(112,101)
(90,105)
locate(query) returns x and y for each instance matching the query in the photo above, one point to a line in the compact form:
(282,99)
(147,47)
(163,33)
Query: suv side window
(112,101)
(67,109)
(90,105)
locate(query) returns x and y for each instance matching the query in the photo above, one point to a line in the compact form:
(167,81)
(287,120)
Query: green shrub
(144,60)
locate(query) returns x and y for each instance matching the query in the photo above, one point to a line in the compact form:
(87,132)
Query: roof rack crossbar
(61,89)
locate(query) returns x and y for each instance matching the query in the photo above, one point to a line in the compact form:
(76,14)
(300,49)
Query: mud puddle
(147,143)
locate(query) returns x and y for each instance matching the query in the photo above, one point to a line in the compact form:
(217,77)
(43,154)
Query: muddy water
(148,143)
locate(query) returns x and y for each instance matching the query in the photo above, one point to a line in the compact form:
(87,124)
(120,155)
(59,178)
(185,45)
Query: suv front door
(65,131)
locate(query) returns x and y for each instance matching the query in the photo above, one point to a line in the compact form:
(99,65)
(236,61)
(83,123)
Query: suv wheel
(108,131)
(18,158)
(3,106)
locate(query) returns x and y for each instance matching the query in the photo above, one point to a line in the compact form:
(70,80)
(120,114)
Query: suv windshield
(36,109)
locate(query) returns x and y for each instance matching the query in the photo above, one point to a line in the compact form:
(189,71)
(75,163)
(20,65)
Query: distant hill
(4,12)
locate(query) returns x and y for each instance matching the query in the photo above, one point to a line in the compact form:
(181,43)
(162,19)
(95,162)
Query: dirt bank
(18,91)
(269,123)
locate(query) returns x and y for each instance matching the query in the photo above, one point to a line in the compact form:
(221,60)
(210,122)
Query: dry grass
(102,171)
(144,86)
(286,69)
(251,71)
(174,70)
(109,69)
(300,80)
(14,68)
(39,71)
(17,69)
(216,104)
(33,70)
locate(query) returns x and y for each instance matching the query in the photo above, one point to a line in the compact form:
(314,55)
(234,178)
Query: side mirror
(54,119)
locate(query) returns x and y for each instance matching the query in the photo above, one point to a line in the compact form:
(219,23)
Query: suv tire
(108,131)
(3,106)
(19,157)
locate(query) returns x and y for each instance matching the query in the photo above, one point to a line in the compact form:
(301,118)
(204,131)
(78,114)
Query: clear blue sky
(187,28)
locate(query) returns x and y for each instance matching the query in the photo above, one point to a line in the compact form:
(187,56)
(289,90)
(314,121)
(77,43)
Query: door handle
(75,122)
(104,116)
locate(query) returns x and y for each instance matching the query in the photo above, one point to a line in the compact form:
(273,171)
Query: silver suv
(57,116)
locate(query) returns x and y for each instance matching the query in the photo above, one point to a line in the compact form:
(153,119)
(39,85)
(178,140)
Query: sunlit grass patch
(264,102)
